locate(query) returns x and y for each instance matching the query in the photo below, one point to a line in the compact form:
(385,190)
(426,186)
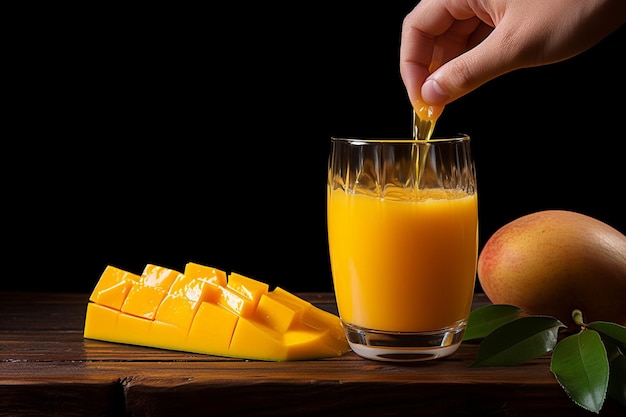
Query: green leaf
(617,379)
(617,370)
(486,319)
(611,346)
(613,330)
(580,365)
(518,341)
(614,337)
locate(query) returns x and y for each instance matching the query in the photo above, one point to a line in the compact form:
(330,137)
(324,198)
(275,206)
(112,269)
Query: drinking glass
(402,217)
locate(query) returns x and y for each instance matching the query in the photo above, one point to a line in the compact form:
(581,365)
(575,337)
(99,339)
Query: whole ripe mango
(554,261)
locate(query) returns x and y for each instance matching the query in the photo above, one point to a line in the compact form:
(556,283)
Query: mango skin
(554,261)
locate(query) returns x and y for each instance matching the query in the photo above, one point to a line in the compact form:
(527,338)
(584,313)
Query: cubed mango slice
(204,310)
(113,287)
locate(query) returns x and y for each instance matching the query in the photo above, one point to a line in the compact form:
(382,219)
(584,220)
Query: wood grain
(48,369)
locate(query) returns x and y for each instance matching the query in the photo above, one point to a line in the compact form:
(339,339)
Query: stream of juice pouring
(423,127)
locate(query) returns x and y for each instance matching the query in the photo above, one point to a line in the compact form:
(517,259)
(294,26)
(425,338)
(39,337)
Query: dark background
(168,135)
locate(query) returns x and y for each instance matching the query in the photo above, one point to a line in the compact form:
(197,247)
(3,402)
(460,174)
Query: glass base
(404,346)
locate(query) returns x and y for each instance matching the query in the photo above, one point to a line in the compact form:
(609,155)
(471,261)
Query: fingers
(432,93)
(435,32)
(419,31)
(466,72)
(415,57)
(451,47)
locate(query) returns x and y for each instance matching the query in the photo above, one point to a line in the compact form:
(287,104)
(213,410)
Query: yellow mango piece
(253,340)
(113,287)
(195,270)
(236,302)
(100,322)
(143,301)
(312,317)
(186,294)
(204,310)
(177,311)
(299,343)
(321,320)
(167,336)
(144,298)
(212,330)
(158,276)
(277,315)
(131,329)
(248,287)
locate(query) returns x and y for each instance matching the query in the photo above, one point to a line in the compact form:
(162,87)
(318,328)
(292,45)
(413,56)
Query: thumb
(465,73)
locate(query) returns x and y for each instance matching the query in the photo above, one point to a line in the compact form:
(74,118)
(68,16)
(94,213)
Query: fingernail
(433,94)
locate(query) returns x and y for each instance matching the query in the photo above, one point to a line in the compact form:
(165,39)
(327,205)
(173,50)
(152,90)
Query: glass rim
(460,137)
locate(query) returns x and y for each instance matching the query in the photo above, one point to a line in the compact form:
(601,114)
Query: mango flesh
(205,311)
(554,261)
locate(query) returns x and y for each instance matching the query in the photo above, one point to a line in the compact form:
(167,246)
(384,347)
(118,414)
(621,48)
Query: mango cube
(113,287)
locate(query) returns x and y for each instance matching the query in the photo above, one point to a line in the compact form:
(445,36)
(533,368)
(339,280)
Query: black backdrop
(167,135)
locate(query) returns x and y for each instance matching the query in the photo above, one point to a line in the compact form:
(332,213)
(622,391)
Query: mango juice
(405,265)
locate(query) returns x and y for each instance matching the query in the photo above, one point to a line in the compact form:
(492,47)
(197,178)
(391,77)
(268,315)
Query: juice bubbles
(400,264)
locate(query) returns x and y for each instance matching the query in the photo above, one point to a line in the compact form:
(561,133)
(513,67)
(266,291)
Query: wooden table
(48,369)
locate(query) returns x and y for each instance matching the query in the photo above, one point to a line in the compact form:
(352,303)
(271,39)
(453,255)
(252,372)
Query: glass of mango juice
(402,217)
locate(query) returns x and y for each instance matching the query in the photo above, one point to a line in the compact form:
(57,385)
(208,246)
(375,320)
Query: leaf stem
(577,316)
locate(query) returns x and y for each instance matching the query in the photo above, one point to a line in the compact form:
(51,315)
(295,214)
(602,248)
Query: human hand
(451,47)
